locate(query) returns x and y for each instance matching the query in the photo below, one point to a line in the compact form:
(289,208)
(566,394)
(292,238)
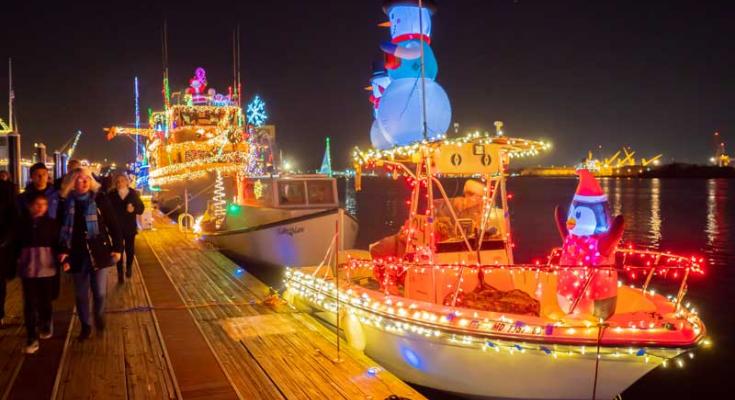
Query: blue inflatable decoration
(398,96)
(400,112)
(378,136)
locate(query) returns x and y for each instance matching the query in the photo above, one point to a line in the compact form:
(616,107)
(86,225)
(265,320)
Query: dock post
(58,169)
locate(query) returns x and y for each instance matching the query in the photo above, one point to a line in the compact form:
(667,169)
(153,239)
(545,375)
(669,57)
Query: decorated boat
(281,220)
(442,304)
(193,150)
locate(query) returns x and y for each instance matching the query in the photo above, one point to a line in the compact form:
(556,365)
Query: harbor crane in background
(625,157)
(70,146)
(720,157)
(4,128)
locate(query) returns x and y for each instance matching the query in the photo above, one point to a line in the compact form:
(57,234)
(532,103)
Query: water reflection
(617,202)
(655,220)
(717,224)
(350,197)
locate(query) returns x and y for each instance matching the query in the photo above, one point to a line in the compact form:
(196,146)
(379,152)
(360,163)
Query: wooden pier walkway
(191,324)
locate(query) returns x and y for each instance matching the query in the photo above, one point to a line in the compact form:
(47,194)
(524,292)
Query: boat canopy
(470,156)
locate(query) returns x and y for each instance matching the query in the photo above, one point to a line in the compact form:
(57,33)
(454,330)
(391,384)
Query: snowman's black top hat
(428,4)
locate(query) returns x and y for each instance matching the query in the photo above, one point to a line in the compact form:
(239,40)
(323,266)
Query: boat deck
(191,324)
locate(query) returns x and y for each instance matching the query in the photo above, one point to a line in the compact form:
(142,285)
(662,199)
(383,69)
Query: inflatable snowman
(400,113)
(590,238)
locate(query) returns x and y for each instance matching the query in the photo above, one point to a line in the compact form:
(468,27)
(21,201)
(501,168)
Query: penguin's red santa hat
(588,190)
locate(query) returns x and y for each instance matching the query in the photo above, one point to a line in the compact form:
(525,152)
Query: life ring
(185,226)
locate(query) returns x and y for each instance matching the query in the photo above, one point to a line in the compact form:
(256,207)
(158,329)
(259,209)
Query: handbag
(100,247)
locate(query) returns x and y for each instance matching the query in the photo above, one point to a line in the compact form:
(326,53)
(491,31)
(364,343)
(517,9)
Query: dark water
(686,216)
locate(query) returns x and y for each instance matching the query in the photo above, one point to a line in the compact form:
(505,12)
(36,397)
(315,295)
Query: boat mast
(137,119)
(423,69)
(164,54)
(426,155)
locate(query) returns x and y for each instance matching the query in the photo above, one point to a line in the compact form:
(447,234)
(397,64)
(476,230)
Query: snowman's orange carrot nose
(369,88)
(571,223)
(385,24)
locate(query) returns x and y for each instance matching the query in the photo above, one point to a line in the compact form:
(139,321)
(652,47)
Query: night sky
(656,75)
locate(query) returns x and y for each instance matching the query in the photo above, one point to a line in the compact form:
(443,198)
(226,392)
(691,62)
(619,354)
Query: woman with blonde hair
(91,241)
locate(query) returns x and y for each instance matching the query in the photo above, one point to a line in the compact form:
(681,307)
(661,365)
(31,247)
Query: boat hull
(491,374)
(297,241)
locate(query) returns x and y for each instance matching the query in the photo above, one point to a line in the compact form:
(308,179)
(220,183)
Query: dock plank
(284,354)
(127,360)
(12,337)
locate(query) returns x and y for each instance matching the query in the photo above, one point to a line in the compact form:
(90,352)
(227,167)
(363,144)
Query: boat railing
(631,264)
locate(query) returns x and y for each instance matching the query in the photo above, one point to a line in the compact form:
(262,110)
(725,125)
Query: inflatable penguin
(590,238)
(400,113)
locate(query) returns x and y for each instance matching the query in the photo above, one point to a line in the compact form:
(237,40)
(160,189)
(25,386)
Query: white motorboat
(442,304)
(283,221)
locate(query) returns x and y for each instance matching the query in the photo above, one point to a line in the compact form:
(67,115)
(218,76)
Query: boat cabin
(288,192)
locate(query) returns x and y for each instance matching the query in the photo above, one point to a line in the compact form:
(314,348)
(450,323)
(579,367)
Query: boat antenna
(239,81)
(11,95)
(164,61)
(234,62)
(137,117)
(423,69)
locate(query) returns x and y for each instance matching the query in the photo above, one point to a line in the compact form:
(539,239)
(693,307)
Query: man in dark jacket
(127,205)
(8,223)
(40,184)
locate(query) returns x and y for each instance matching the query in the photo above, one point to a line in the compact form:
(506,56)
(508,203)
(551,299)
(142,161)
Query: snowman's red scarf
(411,36)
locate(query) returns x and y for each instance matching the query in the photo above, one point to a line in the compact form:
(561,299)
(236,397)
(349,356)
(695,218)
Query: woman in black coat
(8,224)
(127,205)
(87,218)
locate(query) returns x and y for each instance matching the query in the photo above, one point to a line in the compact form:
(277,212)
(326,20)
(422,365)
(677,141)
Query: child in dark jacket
(38,244)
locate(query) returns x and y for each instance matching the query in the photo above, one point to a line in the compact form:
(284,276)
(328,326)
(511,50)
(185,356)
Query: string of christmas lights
(403,315)
(220,203)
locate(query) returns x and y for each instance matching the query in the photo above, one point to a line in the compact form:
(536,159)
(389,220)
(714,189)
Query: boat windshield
(316,192)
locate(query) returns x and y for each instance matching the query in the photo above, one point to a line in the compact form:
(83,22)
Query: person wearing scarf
(87,213)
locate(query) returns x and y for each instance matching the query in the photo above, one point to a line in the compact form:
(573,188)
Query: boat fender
(352,329)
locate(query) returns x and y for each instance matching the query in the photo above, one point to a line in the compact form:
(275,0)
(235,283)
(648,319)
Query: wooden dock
(191,324)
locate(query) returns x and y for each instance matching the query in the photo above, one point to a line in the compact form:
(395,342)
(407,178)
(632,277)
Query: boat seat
(633,300)
(355,254)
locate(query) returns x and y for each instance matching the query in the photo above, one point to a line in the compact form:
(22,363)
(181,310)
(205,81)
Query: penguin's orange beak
(571,223)
(385,24)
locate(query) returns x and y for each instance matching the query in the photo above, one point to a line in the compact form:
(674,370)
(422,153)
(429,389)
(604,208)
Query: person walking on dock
(38,245)
(8,222)
(91,242)
(39,184)
(127,205)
